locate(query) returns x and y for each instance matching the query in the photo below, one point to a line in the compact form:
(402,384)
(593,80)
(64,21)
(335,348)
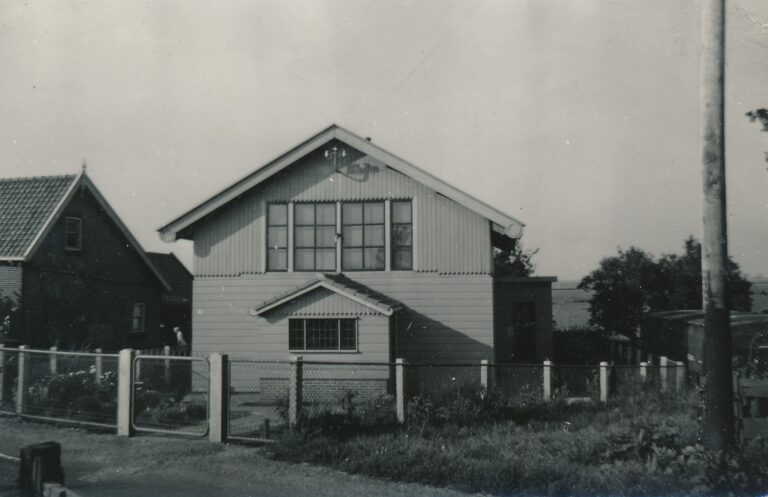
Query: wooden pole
(718,393)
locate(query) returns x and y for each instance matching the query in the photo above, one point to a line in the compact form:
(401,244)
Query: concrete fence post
(680,377)
(663,363)
(22,377)
(218,395)
(125,381)
(603,381)
(167,365)
(295,393)
(485,382)
(644,372)
(53,360)
(547,380)
(137,365)
(98,366)
(2,369)
(400,390)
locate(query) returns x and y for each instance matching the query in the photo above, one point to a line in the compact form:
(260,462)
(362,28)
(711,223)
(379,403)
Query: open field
(570,306)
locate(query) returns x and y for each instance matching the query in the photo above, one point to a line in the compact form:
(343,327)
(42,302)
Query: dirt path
(103,465)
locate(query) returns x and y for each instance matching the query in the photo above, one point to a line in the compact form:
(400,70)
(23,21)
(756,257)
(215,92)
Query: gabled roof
(174,272)
(502,223)
(26,207)
(340,285)
(30,207)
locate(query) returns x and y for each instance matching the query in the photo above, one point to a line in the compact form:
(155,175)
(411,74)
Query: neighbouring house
(176,302)
(71,273)
(679,335)
(339,250)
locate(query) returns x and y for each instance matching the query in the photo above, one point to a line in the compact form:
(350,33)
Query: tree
(627,285)
(513,261)
(760,115)
(622,288)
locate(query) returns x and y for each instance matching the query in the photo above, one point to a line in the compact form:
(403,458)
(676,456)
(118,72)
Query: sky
(578,117)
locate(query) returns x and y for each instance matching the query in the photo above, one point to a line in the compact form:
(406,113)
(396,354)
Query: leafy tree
(513,261)
(622,286)
(627,285)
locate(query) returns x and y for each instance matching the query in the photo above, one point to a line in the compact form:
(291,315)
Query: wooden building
(339,250)
(71,274)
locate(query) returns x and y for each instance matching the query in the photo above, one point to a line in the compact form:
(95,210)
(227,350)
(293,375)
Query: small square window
(73,233)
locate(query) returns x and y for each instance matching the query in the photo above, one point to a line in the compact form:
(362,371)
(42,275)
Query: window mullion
(387,235)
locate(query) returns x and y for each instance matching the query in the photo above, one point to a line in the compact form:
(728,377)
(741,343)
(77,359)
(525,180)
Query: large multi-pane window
(402,235)
(277,237)
(363,236)
(322,334)
(314,237)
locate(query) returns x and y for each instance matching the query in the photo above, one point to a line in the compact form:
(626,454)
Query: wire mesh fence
(582,381)
(170,394)
(518,380)
(258,399)
(439,380)
(70,386)
(335,387)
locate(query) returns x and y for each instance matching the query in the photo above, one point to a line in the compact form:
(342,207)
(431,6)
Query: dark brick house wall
(84,299)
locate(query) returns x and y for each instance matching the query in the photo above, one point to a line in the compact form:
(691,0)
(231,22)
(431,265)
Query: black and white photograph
(438,248)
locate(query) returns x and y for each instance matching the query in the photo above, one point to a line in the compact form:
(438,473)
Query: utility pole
(718,394)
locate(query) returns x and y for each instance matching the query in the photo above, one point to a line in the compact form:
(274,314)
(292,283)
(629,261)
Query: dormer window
(73,233)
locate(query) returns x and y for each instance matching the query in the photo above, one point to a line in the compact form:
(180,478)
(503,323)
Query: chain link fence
(170,394)
(74,387)
(517,381)
(258,399)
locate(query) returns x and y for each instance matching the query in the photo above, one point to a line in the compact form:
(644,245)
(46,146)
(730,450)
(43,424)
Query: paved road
(103,465)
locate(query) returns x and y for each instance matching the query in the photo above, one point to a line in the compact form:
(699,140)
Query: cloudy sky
(579,117)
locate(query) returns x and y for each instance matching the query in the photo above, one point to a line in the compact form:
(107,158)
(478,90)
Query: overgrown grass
(642,445)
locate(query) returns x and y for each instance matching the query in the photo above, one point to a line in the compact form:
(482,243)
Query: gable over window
(73,233)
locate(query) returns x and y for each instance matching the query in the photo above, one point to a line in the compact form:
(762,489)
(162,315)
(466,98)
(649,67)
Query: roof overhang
(385,309)
(507,225)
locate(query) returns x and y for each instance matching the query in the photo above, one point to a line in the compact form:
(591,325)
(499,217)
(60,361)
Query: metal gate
(170,395)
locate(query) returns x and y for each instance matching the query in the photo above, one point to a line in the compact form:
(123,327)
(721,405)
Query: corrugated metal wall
(449,238)
(447,318)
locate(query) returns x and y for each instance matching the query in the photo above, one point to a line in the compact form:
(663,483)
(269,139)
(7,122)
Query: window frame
(287,247)
(392,225)
(363,224)
(315,247)
(78,232)
(142,316)
(339,329)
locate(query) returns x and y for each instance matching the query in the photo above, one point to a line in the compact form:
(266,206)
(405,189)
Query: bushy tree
(513,261)
(633,282)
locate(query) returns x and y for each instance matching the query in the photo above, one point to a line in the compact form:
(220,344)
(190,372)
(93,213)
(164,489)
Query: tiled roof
(341,285)
(174,273)
(25,206)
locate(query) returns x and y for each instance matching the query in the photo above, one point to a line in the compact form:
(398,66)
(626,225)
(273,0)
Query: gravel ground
(103,465)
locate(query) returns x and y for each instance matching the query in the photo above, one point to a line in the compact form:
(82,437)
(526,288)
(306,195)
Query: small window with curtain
(277,237)
(73,233)
(314,237)
(363,236)
(139,317)
(322,335)
(402,235)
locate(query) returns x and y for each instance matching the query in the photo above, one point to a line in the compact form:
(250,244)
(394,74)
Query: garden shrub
(76,395)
